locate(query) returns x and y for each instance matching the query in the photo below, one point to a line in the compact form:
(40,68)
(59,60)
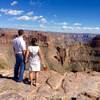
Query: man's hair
(20,32)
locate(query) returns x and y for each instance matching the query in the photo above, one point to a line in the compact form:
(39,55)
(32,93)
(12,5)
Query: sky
(78,16)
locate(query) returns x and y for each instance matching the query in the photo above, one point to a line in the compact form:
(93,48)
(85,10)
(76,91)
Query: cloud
(0,15)
(35,18)
(97,28)
(24,26)
(39,19)
(77,24)
(43,21)
(64,27)
(29,13)
(42,26)
(91,28)
(59,23)
(38,3)
(14,3)
(24,18)
(65,23)
(58,26)
(11,11)
(79,29)
(27,18)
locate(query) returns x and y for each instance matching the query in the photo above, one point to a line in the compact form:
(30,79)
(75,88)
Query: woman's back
(34,51)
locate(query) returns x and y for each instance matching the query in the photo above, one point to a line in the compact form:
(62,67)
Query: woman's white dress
(34,59)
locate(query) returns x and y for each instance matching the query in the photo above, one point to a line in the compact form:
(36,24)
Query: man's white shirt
(19,44)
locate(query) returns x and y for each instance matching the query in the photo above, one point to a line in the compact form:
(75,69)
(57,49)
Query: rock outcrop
(52,86)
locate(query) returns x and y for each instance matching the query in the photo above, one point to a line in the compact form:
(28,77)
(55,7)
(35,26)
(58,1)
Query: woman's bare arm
(41,57)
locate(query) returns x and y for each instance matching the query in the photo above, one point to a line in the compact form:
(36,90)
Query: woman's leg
(36,76)
(31,76)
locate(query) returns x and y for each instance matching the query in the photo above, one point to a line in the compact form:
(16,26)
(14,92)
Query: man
(19,46)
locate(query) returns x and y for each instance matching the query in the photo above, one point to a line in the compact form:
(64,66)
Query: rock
(83,97)
(45,91)
(39,98)
(20,88)
(11,96)
(86,96)
(96,41)
(5,73)
(80,85)
(59,93)
(43,76)
(55,80)
(70,84)
(74,84)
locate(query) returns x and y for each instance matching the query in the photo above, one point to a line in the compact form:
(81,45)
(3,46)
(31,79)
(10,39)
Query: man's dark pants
(19,67)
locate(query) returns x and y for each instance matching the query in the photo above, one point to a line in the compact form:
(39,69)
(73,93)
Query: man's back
(19,44)
(19,49)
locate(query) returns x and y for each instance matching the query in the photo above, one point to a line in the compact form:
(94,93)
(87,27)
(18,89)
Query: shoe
(27,82)
(15,79)
(19,81)
(32,83)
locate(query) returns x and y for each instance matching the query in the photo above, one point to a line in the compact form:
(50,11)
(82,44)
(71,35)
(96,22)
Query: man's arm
(27,56)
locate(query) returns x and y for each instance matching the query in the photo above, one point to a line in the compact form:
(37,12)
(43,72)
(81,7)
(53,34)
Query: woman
(34,56)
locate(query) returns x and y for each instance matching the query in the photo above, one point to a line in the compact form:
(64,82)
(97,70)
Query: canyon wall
(62,51)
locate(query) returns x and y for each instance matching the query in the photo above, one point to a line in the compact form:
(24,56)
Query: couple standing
(32,55)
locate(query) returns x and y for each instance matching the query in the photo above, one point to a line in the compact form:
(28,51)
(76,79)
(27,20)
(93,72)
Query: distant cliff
(63,51)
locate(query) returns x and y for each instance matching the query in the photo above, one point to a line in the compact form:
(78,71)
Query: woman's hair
(15,36)
(33,41)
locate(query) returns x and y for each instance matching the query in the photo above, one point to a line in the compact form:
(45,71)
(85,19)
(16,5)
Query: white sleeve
(23,45)
(29,48)
(38,48)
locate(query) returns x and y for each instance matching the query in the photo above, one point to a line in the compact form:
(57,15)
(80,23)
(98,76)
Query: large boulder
(55,80)
(45,91)
(75,84)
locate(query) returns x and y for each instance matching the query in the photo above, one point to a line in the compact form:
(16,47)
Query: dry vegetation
(6,56)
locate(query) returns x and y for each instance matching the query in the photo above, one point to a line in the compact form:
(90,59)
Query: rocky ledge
(52,86)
